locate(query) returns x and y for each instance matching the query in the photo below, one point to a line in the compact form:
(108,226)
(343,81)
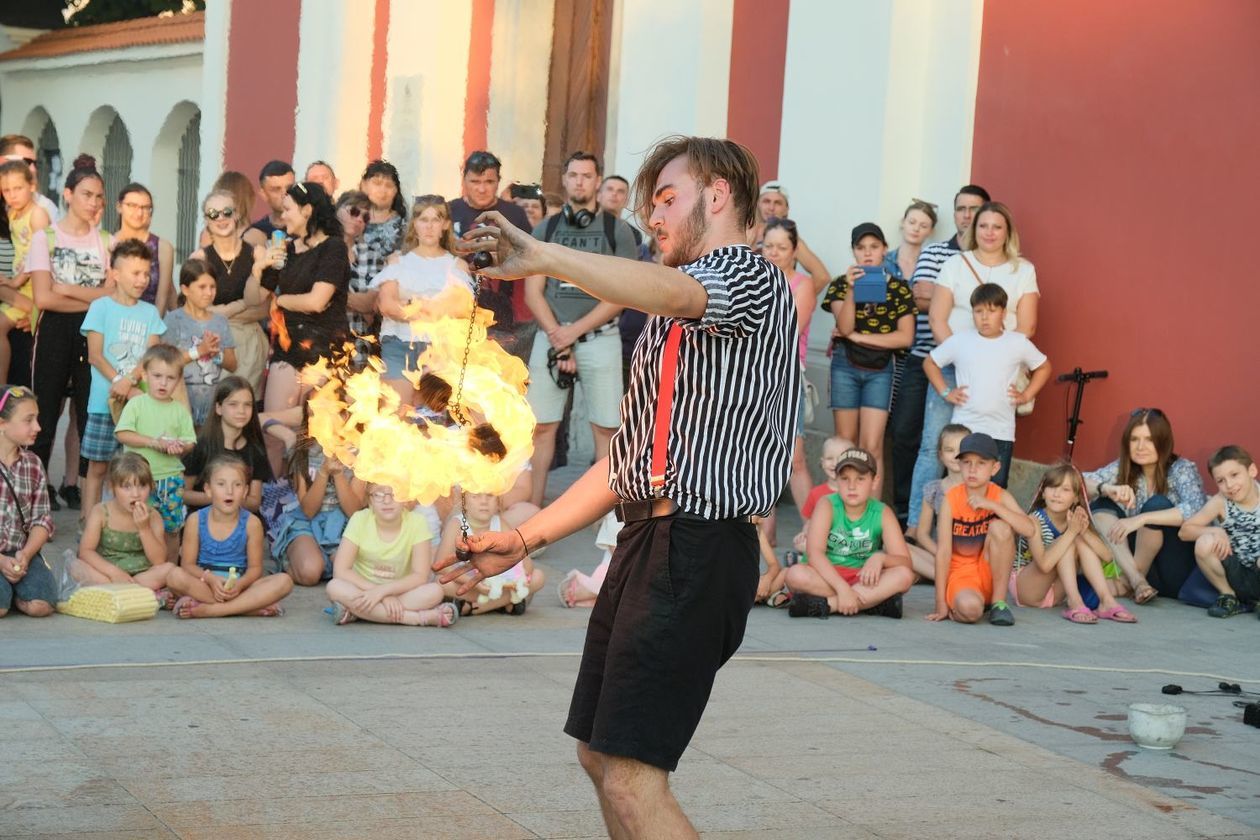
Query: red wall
(754,109)
(1123,136)
(261,86)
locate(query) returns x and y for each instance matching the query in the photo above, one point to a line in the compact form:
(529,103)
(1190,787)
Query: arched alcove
(39,127)
(106,138)
(175,177)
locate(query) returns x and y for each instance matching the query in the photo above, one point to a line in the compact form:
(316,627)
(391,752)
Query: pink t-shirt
(75,260)
(798,278)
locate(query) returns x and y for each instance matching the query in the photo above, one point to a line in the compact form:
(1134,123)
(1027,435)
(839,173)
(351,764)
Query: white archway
(39,126)
(175,176)
(106,138)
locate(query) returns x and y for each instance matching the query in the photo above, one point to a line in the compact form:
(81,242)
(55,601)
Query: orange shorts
(969,573)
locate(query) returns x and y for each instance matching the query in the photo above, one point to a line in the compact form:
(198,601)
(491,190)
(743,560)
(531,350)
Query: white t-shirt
(50,207)
(417,277)
(987,367)
(956,277)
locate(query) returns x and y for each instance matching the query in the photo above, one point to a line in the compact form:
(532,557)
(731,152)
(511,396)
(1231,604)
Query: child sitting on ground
(1046,569)
(206,335)
(231,427)
(307,533)
(1227,553)
(923,555)
(578,589)
(26,581)
(975,538)
(123,540)
(857,558)
(987,361)
(481,511)
(221,572)
(119,328)
(832,449)
(381,571)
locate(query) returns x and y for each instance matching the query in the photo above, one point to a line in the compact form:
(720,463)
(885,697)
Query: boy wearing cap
(857,557)
(987,362)
(975,543)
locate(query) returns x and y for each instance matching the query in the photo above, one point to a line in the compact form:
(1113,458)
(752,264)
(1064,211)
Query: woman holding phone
(305,280)
(874,313)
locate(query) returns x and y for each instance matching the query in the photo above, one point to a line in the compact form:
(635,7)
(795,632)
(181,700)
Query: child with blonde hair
(17,305)
(123,538)
(221,569)
(26,581)
(520,583)
(382,569)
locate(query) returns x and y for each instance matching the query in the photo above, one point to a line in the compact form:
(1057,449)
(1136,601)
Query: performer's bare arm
(648,287)
(587,501)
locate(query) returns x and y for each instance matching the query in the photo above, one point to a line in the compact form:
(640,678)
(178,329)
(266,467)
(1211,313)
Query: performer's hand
(491,553)
(517,253)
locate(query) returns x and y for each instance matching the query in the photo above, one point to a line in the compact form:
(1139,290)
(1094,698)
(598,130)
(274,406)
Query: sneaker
(1001,616)
(889,608)
(71,495)
(52,498)
(808,606)
(1226,606)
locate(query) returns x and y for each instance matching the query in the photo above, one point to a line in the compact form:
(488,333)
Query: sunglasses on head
(225,213)
(775,221)
(1149,412)
(483,159)
(26,160)
(428,198)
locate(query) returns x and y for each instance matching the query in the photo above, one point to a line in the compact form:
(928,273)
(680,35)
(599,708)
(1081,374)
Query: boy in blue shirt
(119,328)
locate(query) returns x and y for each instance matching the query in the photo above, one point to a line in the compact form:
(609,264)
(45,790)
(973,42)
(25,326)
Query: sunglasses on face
(225,213)
(356,212)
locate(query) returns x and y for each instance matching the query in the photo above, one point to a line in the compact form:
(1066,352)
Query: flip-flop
(340,615)
(1144,594)
(779,600)
(272,611)
(565,589)
(188,602)
(1118,614)
(1080,615)
(165,598)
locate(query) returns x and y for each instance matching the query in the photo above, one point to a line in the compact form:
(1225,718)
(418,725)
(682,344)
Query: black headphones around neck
(581,218)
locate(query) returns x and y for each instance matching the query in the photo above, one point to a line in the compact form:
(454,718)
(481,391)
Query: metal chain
(457,405)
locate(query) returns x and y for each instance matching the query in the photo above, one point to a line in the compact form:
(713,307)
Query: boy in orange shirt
(975,545)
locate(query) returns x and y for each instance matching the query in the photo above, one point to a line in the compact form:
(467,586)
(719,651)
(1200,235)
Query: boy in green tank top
(857,556)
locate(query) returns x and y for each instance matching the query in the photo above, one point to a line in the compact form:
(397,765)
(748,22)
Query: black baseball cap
(859,459)
(978,443)
(867,229)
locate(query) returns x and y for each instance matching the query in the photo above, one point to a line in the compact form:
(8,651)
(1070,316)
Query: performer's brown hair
(708,158)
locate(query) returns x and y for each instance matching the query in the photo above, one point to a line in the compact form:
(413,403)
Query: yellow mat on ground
(111,602)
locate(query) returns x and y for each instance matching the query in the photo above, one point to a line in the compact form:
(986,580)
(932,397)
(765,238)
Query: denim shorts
(38,584)
(400,356)
(854,387)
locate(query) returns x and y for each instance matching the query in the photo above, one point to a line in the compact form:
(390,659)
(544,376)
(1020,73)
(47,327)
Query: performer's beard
(684,246)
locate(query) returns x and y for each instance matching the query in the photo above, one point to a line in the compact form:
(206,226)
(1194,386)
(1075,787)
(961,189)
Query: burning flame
(362,422)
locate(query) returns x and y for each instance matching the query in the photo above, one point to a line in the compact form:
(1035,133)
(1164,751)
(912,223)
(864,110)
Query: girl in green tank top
(851,542)
(123,540)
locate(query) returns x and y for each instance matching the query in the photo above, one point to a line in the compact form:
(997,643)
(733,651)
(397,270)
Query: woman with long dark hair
(1141,499)
(305,281)
(68,262)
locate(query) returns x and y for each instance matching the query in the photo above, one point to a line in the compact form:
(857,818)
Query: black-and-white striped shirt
(736,395)
(928,268)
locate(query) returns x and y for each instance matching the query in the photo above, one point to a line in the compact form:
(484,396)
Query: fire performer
(705,444)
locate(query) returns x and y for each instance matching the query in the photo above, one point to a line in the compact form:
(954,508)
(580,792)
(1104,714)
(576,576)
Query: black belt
(627,512)
(598,331)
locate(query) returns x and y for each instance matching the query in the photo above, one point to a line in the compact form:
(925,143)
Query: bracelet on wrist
(524,544)
(945,394)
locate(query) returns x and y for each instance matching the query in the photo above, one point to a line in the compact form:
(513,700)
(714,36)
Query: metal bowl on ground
(1156,726)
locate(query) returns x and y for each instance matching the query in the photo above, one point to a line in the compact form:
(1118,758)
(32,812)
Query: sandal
(779,600)
(565,589)
(165,598)
(184,606)
(1144,593)
(448,615)
(1080,615)
(462,607)
(1117,614)
(340,615)
(273,611)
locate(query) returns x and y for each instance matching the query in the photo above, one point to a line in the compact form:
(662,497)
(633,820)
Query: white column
(334,86)
(214,92)
(519,69)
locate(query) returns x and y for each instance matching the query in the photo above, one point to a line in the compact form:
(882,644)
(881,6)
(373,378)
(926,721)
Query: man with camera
(583,342)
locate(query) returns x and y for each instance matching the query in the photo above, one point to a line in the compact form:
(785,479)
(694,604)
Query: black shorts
(1244,580)
(671,611)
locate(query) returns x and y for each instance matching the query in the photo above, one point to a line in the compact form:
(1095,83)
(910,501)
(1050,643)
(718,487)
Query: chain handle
(457,405)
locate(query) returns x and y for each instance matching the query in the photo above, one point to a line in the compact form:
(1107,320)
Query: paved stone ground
(456,733)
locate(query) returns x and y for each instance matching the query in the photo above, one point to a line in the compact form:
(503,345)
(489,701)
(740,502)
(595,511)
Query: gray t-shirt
(568,302)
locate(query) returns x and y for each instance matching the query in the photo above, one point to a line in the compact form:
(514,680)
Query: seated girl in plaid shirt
(26,581)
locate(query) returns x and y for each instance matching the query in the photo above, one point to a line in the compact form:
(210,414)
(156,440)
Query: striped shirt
(736,396)
(927,269)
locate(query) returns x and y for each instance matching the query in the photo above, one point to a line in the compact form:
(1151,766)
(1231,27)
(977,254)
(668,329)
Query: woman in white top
(422,271)
(990,254)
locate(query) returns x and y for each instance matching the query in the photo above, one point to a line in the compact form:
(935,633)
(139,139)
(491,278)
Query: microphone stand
(1078,377)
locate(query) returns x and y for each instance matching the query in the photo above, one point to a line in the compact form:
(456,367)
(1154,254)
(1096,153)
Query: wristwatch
(118,377)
